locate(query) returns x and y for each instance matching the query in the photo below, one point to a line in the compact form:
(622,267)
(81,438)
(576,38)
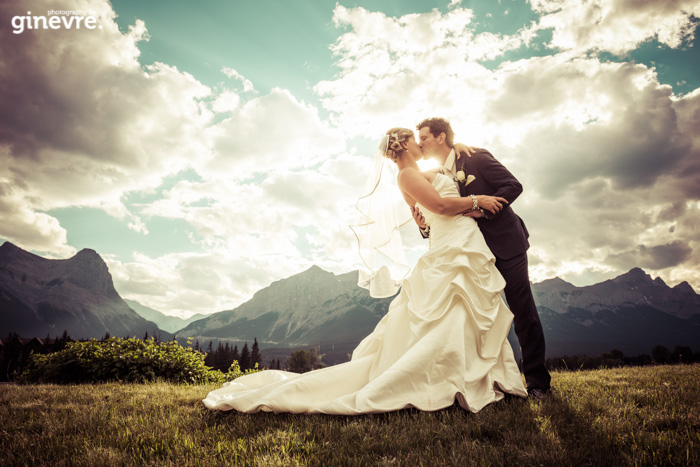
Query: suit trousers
(528,327)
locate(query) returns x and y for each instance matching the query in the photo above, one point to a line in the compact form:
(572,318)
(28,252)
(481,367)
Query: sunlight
(427,164)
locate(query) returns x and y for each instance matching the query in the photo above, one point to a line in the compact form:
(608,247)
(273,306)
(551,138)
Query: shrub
(127,360)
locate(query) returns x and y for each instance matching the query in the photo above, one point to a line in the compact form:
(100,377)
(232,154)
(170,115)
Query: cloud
(605,151)
(32,230)
(609,157)
(253,234)
(231,73)
(268,133)
(394,69)
(585,120)
(616,26)
(83,122)
(654,257)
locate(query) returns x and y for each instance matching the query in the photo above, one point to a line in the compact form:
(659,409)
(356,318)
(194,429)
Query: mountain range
(40,296)
(632,313)
(165,322)
(312,308)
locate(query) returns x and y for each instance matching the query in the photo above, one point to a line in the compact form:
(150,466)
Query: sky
(208,149)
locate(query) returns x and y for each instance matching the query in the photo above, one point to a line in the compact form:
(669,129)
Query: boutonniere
(463,178)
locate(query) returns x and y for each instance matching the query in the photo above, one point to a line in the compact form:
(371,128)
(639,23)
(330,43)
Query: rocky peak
(88,270)
(684,288)
(10,253)
(556,283)
(635,276)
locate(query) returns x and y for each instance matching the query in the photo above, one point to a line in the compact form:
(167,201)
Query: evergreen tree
(275,364)
(255,356)
(220,358)
(660,354)
(11,356)
(235,355)
(209,358)
(62,341)
(48,348)
(682,354)
(301,361)
(244,362)
(228,356)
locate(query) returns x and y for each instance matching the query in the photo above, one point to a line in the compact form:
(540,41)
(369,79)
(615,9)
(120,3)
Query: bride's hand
(459,148)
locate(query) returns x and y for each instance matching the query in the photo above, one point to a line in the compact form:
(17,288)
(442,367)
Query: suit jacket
(505,232)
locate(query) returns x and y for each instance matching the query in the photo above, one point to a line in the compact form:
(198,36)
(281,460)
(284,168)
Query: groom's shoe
(537,393)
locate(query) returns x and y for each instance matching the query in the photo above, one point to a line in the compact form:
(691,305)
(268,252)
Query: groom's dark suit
(506,236)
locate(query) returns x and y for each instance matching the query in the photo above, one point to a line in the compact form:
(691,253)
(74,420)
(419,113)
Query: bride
(444,336)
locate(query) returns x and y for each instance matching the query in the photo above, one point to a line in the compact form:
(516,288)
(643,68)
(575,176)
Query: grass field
(628,416)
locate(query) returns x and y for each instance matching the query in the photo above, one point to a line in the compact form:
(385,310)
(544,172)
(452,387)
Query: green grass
(630,416)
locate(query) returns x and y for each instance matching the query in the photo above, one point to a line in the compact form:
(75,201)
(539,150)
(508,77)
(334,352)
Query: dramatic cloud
(617,26)
(82,123)
(266,182)
(267,134)
(603,149)
(254,233)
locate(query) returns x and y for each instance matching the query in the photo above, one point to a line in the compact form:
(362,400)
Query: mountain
(632,313)
(165,322)
(40,296)
(310,308)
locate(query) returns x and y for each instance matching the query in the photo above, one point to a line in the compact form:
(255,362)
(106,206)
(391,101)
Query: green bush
(126,360)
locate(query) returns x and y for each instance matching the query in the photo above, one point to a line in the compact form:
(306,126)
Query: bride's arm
(414,183)
(463,148)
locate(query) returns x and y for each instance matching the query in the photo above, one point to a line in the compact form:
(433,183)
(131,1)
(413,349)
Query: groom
(505,234)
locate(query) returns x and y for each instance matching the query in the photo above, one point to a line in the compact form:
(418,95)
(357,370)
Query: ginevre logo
(57,19)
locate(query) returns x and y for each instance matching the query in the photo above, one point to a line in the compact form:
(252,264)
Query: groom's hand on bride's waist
(493,204)
(418,217)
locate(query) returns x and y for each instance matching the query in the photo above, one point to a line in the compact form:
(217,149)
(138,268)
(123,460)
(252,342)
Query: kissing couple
(444,337)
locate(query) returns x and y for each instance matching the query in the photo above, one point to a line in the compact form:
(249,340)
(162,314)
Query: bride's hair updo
(394,150)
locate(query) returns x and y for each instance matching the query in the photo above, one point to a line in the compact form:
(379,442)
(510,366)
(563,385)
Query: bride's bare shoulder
(431,174)
(411,173)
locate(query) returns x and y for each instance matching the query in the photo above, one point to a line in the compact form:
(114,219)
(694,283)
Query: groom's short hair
(437,126)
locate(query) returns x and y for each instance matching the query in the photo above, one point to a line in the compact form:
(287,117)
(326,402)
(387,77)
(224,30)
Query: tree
(682,354)
(220,358)
(301,361)
(236,357)
(244,362)
(227,359)
(209,358)
(255,357)
(11,356)
(61,342)
(660,354)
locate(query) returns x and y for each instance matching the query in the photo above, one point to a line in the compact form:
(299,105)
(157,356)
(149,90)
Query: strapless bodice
(444,227)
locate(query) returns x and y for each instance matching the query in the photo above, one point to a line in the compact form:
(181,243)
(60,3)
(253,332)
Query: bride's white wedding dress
(444,337)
